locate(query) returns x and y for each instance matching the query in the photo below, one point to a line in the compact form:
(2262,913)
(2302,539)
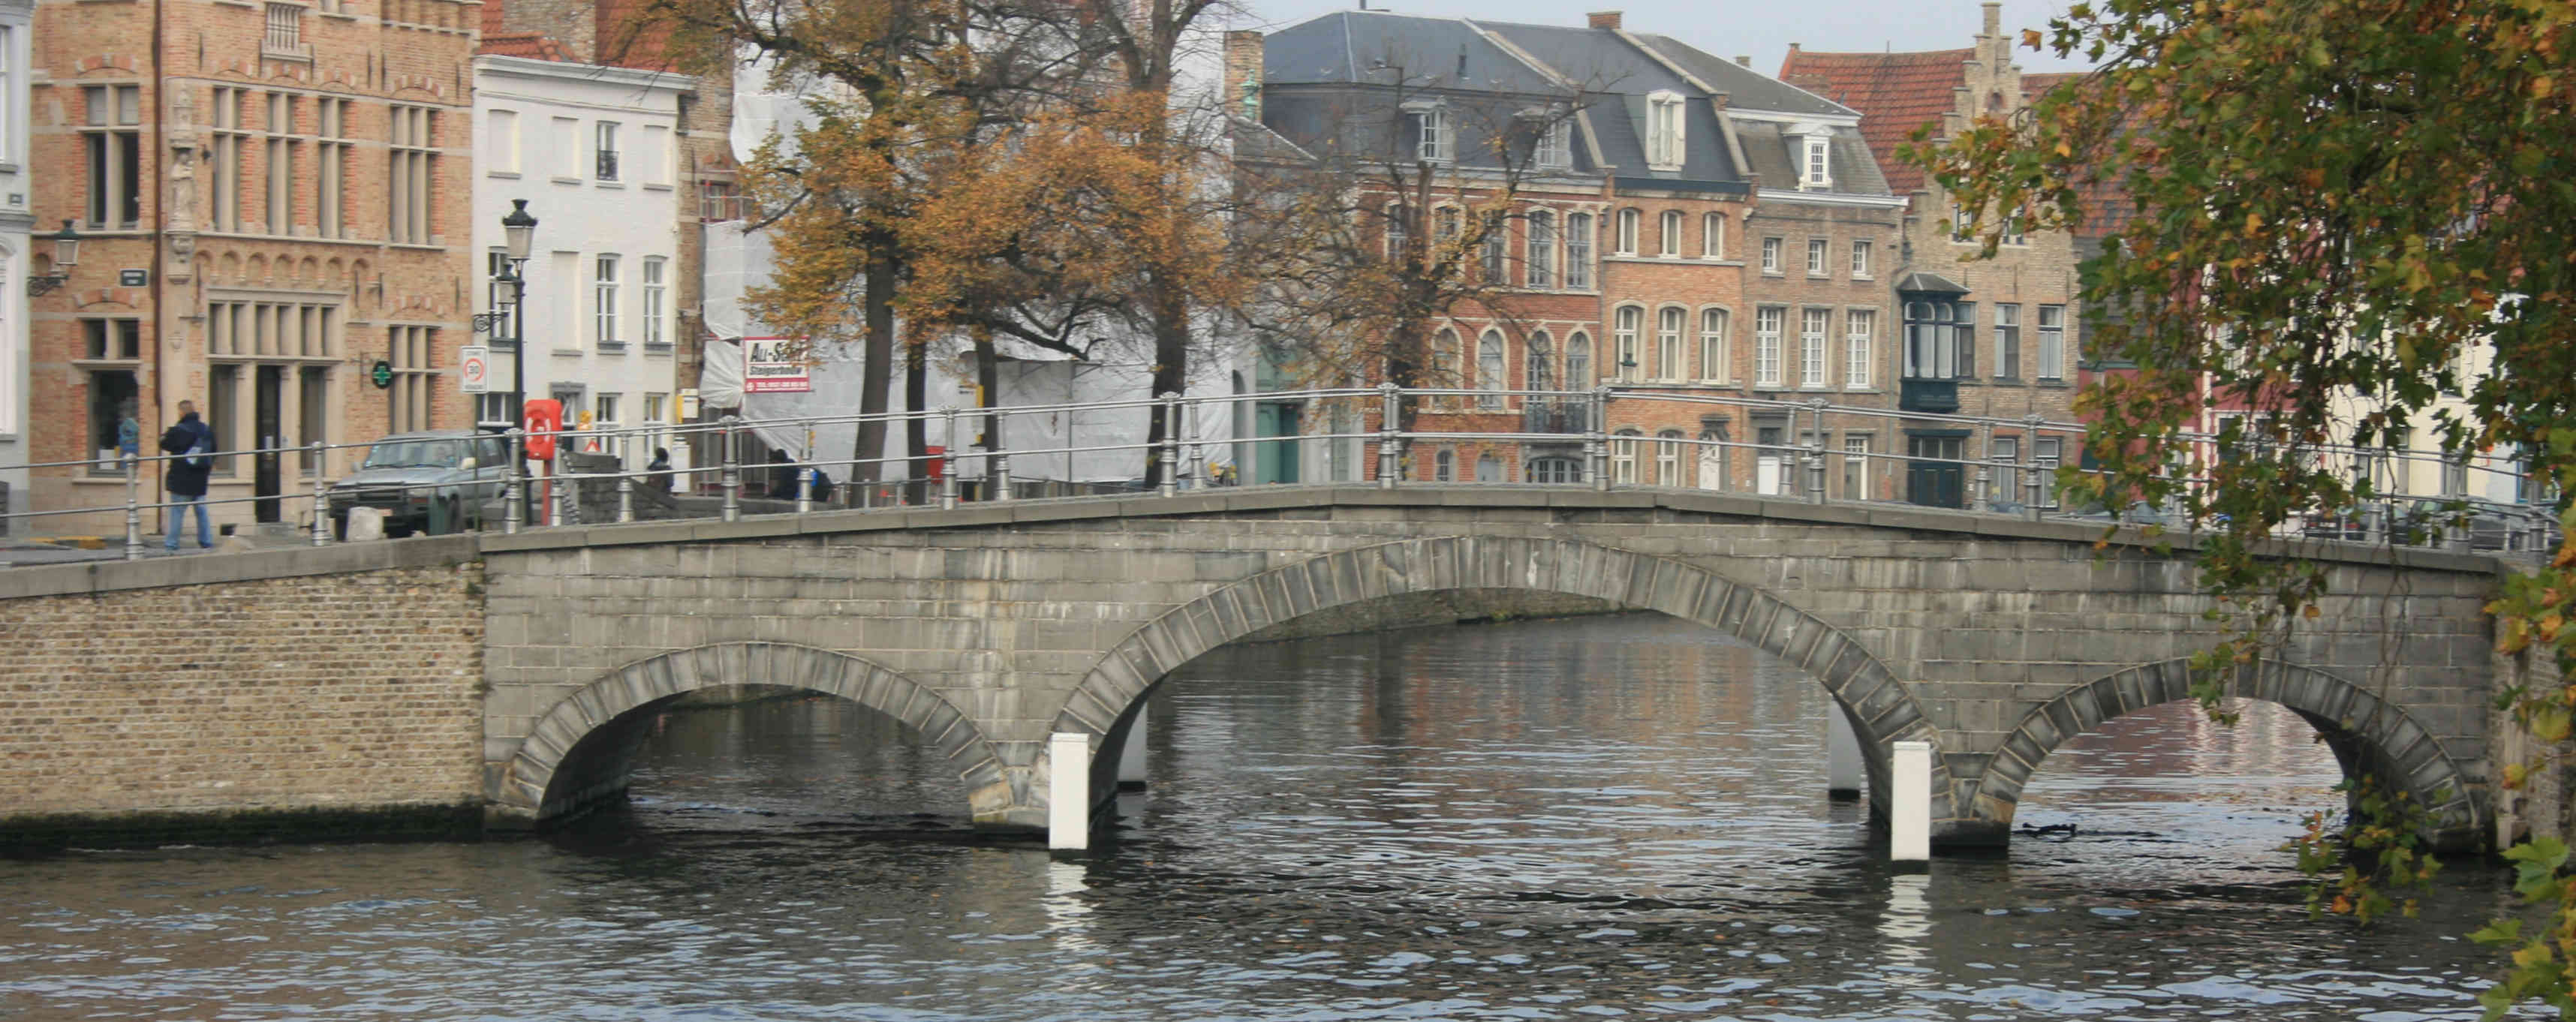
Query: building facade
(273,225)
(17,259)
(595,154)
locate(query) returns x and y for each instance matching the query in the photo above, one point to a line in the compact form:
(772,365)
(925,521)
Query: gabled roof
(1894,92)
(1374,47)
(1746,88)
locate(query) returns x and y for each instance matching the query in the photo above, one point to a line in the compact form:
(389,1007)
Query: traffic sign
(474,368)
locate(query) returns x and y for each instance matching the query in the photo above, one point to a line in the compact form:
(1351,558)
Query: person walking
(194,443)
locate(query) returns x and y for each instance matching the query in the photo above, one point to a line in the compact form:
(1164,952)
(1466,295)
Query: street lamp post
(66,254)
(518,235)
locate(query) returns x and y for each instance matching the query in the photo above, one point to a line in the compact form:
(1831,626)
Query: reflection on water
(1553,820)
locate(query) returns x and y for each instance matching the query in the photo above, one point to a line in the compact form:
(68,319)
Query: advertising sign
(774,365)
(474,368)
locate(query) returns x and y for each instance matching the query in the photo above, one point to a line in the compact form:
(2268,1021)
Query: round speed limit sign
(474,369)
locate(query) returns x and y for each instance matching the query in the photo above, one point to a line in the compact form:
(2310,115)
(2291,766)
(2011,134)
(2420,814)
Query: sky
(1761,30)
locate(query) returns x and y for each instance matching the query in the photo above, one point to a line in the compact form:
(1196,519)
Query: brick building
(272,204)
(1992,337)
(17,236)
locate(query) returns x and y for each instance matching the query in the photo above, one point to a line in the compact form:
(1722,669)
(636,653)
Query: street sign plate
(474,368)
(133,278)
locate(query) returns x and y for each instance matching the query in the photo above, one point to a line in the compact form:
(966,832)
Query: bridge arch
(1882,708)
(2369,735)
(578,751)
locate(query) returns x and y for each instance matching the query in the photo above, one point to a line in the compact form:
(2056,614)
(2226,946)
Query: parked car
(440,477)
(2137,513)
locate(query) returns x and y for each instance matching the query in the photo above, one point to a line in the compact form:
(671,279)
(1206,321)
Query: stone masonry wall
(357,692)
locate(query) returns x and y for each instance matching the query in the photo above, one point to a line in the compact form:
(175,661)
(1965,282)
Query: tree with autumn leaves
(2334,201)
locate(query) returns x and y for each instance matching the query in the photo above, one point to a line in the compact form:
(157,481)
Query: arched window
(1489,469)
(1399,234)
(1624,327)
(1489,370)
(1624,240)
(1712,461)
(1712,236)
(1668,458)
(1541,367)
(1668,345)
(1623,457)
(1578,362)
(1444,359)
(1444,466)
(1578,251)
(1671,243)
(1542,249)
(1714,354)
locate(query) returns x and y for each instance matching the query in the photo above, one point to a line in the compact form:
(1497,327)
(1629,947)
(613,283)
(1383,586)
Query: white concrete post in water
(1069,790)
(1844,773)
(1909,815)
(1131,756)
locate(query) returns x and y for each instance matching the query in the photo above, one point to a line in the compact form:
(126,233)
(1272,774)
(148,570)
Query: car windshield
(413,454)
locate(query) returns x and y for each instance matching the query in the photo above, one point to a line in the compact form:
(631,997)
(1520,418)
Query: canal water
(1619,817)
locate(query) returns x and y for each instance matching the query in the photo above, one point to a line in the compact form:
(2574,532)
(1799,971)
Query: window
(1540,367)
(1556,145)
(1489,469)
(492,409)
(1712,236)
(1623,457)
(1668,345)
(272,330)
(1398,235)
(1578,251)
(8,127)
(2005,452)
(285,38)
(1444,224)
(113,339)
(2008,342)
(1555,470)
(1933,338)
(278,200)
(718,201)
(1542,250)
(331,165)
(603,302)
(1496,244)
(501,141)
(1771,256)
(1426,130)
(1713,352)
(1860,329)
(604,411)
(1959,225)
(2012,233)
(1444,360)
(654,292)
(1489,370)
(113,139)
(112,394)
(2044,460)
(1625,325)
(1766,345)
(1664,131)
(415,167)
(410,398)
(1668,458)
(567,154)
(1819,163)
(1624,241)
(1578,362)
(2052,342)
(1817,253)
(224,160)
(653,158)
(1967,326)
(1672,233)
(1860,260)
(1812,324)
(604,148)
(1856,466)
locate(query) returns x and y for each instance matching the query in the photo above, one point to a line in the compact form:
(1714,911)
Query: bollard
(1909,818)
(732,473)
(321,499)
(1389,459)
(1069,791)
(514,486)
(1844,773)
(134,515)
(1171,450)
(948,459)
(625,479)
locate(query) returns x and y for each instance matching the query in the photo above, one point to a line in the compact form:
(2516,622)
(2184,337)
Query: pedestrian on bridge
(194,442)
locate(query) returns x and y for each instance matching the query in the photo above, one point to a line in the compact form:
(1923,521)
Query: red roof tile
(2107,205)
(1894,92)
(525,44)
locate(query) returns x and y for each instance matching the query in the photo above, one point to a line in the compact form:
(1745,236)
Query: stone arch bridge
(989,628)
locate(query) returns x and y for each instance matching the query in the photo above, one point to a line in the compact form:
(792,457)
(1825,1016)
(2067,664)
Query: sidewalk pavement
(18,551)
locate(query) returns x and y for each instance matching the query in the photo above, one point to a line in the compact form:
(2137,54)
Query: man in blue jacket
(194,442)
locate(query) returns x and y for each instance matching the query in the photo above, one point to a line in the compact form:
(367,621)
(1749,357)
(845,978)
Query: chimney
(1604,19)
(1742,60)
(1243,73)
(1994,17)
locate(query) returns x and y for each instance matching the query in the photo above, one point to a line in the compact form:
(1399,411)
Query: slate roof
(1894,92)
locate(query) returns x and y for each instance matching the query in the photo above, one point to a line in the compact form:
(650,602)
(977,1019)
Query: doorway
(268,414)
(1934,474)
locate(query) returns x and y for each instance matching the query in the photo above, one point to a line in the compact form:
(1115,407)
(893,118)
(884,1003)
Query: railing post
(134,514)
(321,499)
(805,476)
(513,486)
(1196,459)
(1596,440)
(1816,453)
(625,479)
(1390,460)
(948,459)
(1986,489)
(1171,449)
(2030,486)
(1000,471)
(732,476)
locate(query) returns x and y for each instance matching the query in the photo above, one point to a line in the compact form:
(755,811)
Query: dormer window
(1817,169)
(1556,145)
(1664,131)
(1426,132)
(1546,135)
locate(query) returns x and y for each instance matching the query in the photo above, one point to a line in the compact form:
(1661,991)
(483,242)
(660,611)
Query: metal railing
(597,476)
